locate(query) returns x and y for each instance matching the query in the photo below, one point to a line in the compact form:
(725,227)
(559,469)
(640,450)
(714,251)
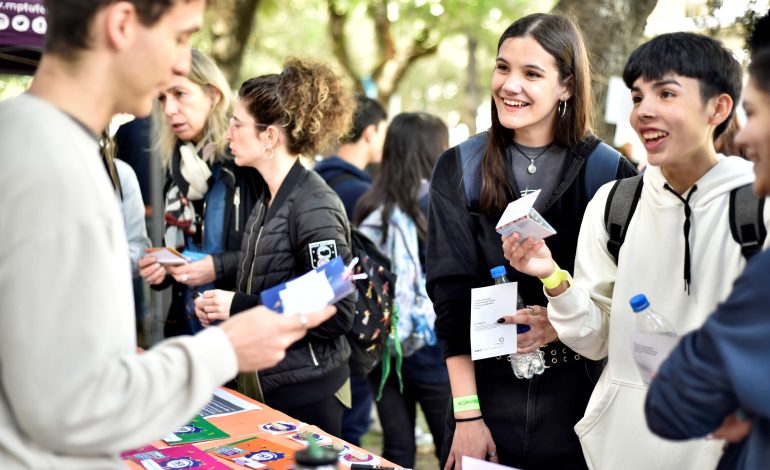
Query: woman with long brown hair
(540,139)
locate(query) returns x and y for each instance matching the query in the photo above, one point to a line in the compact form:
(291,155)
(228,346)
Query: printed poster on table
(255,453)
(185,456)
(198,430)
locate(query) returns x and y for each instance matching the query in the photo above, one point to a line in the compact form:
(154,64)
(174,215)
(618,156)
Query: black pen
(361,466)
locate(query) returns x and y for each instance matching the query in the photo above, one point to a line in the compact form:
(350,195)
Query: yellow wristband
(554,280)
(466,403)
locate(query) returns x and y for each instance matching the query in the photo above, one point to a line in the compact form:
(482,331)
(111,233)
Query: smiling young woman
(540,139)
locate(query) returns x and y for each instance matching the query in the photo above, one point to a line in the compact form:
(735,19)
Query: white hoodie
(593,316)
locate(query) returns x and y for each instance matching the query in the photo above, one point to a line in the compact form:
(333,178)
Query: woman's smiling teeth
(514,103)
(654,135)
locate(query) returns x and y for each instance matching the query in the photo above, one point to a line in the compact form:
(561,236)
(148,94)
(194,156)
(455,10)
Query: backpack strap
(471,152)
(747,220)
(601,167)
(620,208)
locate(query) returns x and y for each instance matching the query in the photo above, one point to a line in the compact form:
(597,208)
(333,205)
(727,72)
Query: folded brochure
(170,257)
(314,290)
(522,218)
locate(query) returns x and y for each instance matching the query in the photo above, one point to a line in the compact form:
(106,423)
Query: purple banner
(22,24)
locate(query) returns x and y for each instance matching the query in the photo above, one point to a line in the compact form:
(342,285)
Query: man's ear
(369,133)
(121,23)
(722,106)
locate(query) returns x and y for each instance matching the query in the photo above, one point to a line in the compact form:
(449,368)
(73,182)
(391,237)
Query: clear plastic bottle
(528,364)
(653,338)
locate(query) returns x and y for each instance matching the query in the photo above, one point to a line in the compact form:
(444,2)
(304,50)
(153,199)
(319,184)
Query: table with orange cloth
(246,424)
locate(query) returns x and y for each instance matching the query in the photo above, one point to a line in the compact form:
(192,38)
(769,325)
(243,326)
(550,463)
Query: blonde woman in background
(207,197)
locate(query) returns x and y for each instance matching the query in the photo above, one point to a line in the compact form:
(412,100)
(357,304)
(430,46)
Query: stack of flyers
(256,452)
(185,456)
(198,430)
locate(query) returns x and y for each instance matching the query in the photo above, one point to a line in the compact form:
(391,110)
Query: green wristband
(467,403)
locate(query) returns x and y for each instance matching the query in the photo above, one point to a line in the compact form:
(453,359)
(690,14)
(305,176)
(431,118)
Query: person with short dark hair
(678,249)
(715,381)
(74,393)
(346,172)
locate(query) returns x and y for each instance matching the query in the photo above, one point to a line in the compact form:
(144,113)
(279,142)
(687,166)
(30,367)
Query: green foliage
(436,83)
(13,85)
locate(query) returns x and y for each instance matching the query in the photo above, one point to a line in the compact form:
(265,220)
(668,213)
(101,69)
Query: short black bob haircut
(689,55)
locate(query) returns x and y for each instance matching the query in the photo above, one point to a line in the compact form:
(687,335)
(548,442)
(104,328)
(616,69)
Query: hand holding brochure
(314,290)
(170,257)
(520,217)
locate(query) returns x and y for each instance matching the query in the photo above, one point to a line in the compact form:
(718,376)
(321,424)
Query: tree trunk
(612,29)
(472,100)
(231,24)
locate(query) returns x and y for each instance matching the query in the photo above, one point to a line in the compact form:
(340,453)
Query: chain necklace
(532,169)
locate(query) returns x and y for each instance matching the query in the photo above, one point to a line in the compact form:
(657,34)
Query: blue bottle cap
(639,302)
(497,271)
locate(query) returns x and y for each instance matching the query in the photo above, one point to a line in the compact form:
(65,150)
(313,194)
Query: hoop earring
(272,153)
(562,108)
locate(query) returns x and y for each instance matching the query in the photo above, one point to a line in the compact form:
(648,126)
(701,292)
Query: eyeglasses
(237,124)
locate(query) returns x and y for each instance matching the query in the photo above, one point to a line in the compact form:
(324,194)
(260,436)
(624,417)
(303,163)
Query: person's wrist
(465,403)
(556,278)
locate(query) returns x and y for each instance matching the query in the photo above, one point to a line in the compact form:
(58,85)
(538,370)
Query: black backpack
(375,319)
(374,296)
(746,215)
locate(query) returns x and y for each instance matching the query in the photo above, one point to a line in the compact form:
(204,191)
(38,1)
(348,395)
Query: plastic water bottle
(528,364)
(653,338)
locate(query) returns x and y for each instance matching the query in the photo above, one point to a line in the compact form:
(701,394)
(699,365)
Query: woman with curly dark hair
(297,224)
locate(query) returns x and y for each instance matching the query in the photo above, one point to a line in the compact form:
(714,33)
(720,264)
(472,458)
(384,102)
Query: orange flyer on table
(257,450)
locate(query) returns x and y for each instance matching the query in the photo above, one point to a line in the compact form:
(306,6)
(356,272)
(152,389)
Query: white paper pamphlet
(470,463)
(224,403)
(522,218)
(167,256)
(308,293)
(488,304)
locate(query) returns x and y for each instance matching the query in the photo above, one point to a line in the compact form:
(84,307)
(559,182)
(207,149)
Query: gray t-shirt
(550,166)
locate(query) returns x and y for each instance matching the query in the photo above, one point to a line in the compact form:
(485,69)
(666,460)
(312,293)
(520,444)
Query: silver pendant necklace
(532,169)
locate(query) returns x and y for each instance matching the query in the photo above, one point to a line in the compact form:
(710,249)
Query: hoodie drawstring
(687,212)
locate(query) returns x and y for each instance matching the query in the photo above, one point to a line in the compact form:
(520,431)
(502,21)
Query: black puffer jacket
(305,223)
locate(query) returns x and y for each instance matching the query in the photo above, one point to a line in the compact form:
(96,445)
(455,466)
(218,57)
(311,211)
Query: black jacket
(305,222)
(242,184)
(463,245)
